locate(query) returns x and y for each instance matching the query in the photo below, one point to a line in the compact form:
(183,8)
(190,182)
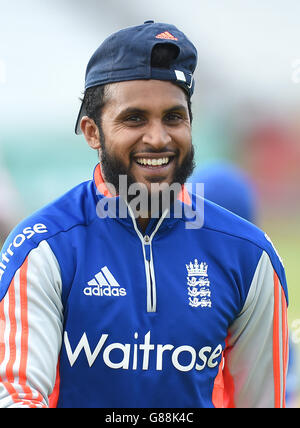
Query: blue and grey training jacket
(94,313)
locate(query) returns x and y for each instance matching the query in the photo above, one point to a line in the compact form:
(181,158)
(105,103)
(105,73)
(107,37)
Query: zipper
(146,242)
(151,285)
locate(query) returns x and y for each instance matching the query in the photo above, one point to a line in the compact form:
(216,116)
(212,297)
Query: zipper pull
(147,247)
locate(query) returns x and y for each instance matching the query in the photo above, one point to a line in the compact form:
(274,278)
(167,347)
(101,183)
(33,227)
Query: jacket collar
(102,191)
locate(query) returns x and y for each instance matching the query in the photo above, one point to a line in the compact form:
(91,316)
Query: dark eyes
(173,117)
(134,119)
(139,119)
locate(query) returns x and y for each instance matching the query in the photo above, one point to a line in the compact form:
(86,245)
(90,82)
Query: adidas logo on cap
(166,35)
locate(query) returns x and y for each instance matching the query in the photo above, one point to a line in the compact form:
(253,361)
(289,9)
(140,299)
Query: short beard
(113,168)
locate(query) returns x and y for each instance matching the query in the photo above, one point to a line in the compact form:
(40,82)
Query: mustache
(149,151)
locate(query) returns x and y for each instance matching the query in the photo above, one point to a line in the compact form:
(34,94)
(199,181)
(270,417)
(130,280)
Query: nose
(156,135)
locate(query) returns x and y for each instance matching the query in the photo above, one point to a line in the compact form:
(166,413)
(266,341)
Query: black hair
(163,54)
(94,100)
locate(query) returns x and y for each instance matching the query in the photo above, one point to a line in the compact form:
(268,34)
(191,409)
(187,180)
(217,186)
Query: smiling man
(142,128)
(133,309)
(146,127)
(144,134)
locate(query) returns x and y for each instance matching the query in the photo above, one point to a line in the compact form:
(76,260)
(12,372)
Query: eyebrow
(180,107)
(131,110)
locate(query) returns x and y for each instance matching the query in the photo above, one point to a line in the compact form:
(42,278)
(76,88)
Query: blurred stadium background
(246,104)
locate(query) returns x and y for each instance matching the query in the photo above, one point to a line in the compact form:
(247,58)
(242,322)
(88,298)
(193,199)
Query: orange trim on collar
(183,196)
(100,184)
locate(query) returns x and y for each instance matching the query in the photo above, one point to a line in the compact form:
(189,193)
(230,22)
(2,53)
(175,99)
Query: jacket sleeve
(30,331)
(255,358)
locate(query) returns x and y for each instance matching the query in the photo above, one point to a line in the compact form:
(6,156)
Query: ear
(90,132)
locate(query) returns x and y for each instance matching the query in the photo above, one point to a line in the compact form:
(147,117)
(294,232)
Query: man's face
(146,133)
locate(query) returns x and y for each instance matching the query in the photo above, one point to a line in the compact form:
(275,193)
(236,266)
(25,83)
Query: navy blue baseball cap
(126,55)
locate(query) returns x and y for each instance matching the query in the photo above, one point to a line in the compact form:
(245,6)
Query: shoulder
(60,216)
(238,235)
(221,221)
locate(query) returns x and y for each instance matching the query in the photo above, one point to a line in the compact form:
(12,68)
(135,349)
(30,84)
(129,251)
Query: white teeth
(153,162)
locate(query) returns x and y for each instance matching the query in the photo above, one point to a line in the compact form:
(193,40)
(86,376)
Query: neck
(143,223)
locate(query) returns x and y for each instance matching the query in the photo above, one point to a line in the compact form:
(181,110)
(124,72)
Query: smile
(153,162)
